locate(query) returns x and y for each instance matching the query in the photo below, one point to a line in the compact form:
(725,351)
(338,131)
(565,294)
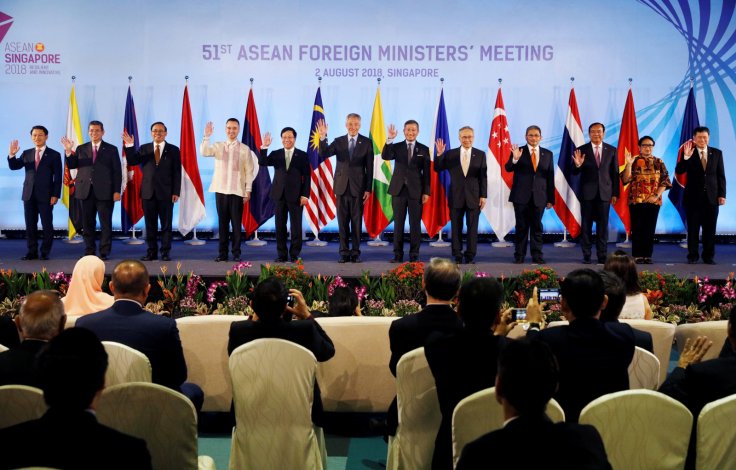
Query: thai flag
(567,185)
(436,212)
(689,122)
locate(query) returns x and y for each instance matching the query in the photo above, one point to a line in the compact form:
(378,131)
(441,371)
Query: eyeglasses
(646,145)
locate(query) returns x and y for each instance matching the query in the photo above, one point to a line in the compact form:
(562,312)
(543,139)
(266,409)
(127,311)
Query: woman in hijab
(85,289)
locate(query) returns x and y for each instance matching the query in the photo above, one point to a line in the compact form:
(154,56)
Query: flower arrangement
(521,287)
(406,280)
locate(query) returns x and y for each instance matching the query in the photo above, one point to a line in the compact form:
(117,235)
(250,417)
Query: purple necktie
(38,157)
(598,156)
(94,153)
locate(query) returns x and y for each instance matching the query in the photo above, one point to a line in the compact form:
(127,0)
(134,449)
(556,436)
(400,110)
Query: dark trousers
(155,210)
(194,393)
(528,226)
(643,223)
(402,204)
(595,211)
(471,221)
(32,209)
(701,213)
(229,214)
(350,222)
(294,211)
(92,208)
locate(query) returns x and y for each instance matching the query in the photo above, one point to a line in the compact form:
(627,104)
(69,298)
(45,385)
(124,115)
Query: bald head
(130,281)
(41,315)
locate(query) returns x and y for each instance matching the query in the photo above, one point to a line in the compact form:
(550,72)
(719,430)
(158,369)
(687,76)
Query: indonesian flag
(191,199)
(498,210)
(628,142)
(378,211)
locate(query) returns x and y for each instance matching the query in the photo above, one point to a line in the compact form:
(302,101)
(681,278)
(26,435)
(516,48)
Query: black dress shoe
(692,261)
(356,259)
(44,257)
(280,259)
(343,259)
(459,260)
(647,260)
(29,256)
(469,261)
(413,259)
(539,261)
(221,258)
(165,257)
(587,260)
(104,257)
(236,257)
(709,261)
(295,259)
(601,260)
(149,258)
(397,259)
(518,260)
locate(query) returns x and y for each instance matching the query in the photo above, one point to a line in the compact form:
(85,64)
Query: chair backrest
(3,348)
(716,435)
(662,335)
(716,331)
(419,413)
(273,389)
(641,429)
(125,364)
(20,403)
(480,413)
(162,417)
(357,378)
(204,340)
(643,370)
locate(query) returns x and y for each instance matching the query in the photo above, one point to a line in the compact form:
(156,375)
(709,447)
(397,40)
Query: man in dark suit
(160,163)
(704,193)
(527,379)
(274,321)
(98,183)
(41,189)
(155,336)
(352,182)
(72,374)
(468,190)
(594,357)
(465,362)
(532,191)
(409,187)
(289,191)
(441,283)
(41,318)
(616,294)
(597,163)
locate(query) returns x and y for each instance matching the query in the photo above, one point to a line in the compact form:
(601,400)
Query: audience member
(72,373)
(616,293)
(41,318)
(9,336)
(85,289)
(594,357)
(441,283)
(465,362)
(270,303)
(155,336)
(343,303)
(637,305)
(527,378)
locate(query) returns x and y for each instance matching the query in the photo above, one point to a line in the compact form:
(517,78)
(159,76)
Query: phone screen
(519,315)
(549,295)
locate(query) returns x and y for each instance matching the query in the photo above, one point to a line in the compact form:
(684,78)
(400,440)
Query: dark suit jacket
(529,185)
(414,175)
(553,446)
(159,182)
(598,182)
(642,339)
(594,359)
(462,364)
(292,184)
(18,365)
(9,336)
(700,384)
(155,336)
(713,179)
(465,191)
(354,176)
(43,183)
(105,175)
(71,440)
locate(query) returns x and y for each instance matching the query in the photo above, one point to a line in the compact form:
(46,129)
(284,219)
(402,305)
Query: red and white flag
(191,200)
(498,210)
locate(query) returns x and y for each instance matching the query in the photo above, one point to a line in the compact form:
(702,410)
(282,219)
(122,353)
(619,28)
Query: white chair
(641,429)
(164,418)
(479,414)
(3,348)
(419,414)
(662,336)
(357,378)
(716,331)
(125,364)
(20,403)
(716,435)
(273,389)
(643,370)
(204,341)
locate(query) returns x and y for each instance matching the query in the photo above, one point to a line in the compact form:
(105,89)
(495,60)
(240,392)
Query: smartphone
(290,300)
(519,315)
(549,295)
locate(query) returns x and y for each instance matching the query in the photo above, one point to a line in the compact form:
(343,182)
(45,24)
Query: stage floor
(668,257)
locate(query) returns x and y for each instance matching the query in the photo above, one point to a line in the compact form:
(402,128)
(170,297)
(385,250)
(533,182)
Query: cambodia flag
(132,176)
(689,122)
(567,185)
(260,207)
(436,212)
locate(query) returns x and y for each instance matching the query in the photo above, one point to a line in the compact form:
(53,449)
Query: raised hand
(440,144)
(694,351)
(516,152)
(68,144)
(322,129)
(208,129)
(128,139)
(266,139)
(14,147)
(534,308)
(688,148)
(629,158)
(578,157)
(392,132)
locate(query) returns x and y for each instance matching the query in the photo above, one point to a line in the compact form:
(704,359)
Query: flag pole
(626,243)
(317,241)
(439,243)
(564,243)
(132,240)
(377,241)
(255,241)
(683,243)
(76,239)
(194,240)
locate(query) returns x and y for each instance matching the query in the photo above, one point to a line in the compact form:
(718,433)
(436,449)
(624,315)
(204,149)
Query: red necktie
(38,157)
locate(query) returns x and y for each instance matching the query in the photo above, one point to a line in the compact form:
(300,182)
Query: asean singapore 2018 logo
(26,57)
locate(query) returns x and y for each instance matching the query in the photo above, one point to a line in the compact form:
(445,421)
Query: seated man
(616,293)
(41,318)
(157,337)
(593,357)
(72,374)
(274,315)
(465,362)
(527,379)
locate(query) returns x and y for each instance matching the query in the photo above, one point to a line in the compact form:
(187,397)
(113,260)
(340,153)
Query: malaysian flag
(567,185)
(321,206)
(689,122)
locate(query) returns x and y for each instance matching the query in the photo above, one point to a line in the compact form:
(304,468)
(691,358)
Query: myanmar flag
(378,212)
